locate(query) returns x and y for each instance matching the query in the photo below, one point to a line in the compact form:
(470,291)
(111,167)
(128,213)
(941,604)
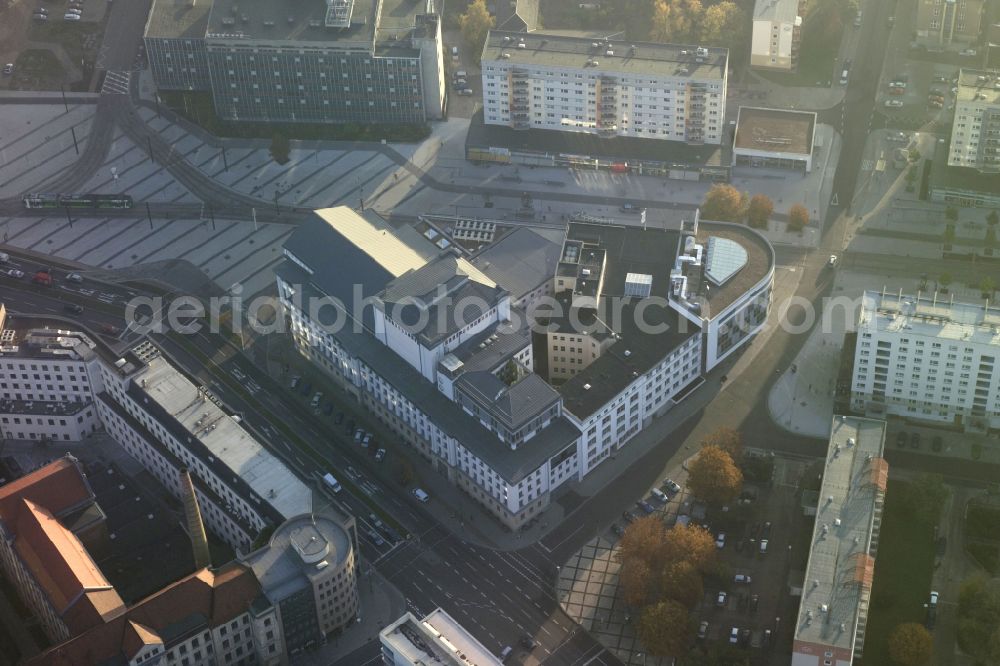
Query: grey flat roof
(631,250)
(437,640)
(778,11)
(775,130)
(651,59)
(615,149)
(46,342)
(973,83)
(839,572)
(279,568)
(445,414)
(305,21)
(631,356)
(178,19)
(486,352)
(175,401)
(519,261)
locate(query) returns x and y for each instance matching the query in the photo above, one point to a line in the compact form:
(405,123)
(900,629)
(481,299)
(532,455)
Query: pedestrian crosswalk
(116,83)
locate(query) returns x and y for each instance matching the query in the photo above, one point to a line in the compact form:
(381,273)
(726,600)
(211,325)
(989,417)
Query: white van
(4,257)
(843,78)
(332,482)
(506,652)
(421,495)
(454,53)
(660,495)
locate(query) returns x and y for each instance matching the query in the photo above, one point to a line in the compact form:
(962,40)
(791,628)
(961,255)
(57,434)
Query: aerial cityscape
(484,332)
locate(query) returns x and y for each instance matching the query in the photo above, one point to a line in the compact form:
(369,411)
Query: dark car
(754,603)
(328,408)
(528,642)
(628,516)
(765,532)
(305,388)
(617,529)
(915,440)
(339,418)
(646,507)
(73,308)
(630,208)
(745,637)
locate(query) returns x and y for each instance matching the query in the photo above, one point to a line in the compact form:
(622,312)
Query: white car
(74,277)
(8,69)
(74,10)
(832,261)
(720,541)
(14,273)
(968,52)
(734,636)
(71,17)
(894,103)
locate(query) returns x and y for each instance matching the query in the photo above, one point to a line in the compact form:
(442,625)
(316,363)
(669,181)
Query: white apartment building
(975,133)
(607,88)
(48,378)
(927,358)
(166,422)
(777,28)
(436,639)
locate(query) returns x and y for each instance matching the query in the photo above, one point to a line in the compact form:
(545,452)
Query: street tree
(728,439)
(724,203)
(665,629)
(643,541)
(659,22)
(759,211)
(910,644)
(714,477)
(682,22)
(692,544)
(725,24)
(798,217)
(280,148)
(979,619)
(637,582)
(475,23)
(987,286)
(681,581)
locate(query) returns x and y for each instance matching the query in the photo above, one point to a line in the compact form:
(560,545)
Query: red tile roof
(217,596)
(63,568)
(58,486)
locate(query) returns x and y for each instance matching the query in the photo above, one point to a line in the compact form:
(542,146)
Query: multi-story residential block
(944,22)
(833,610)
(436,639)
(308,572)
(48,519)
(168,423)
(431,345)
(777,30)
(975,133)
(48,379)
(357,61)
(608,88)
(926,358)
